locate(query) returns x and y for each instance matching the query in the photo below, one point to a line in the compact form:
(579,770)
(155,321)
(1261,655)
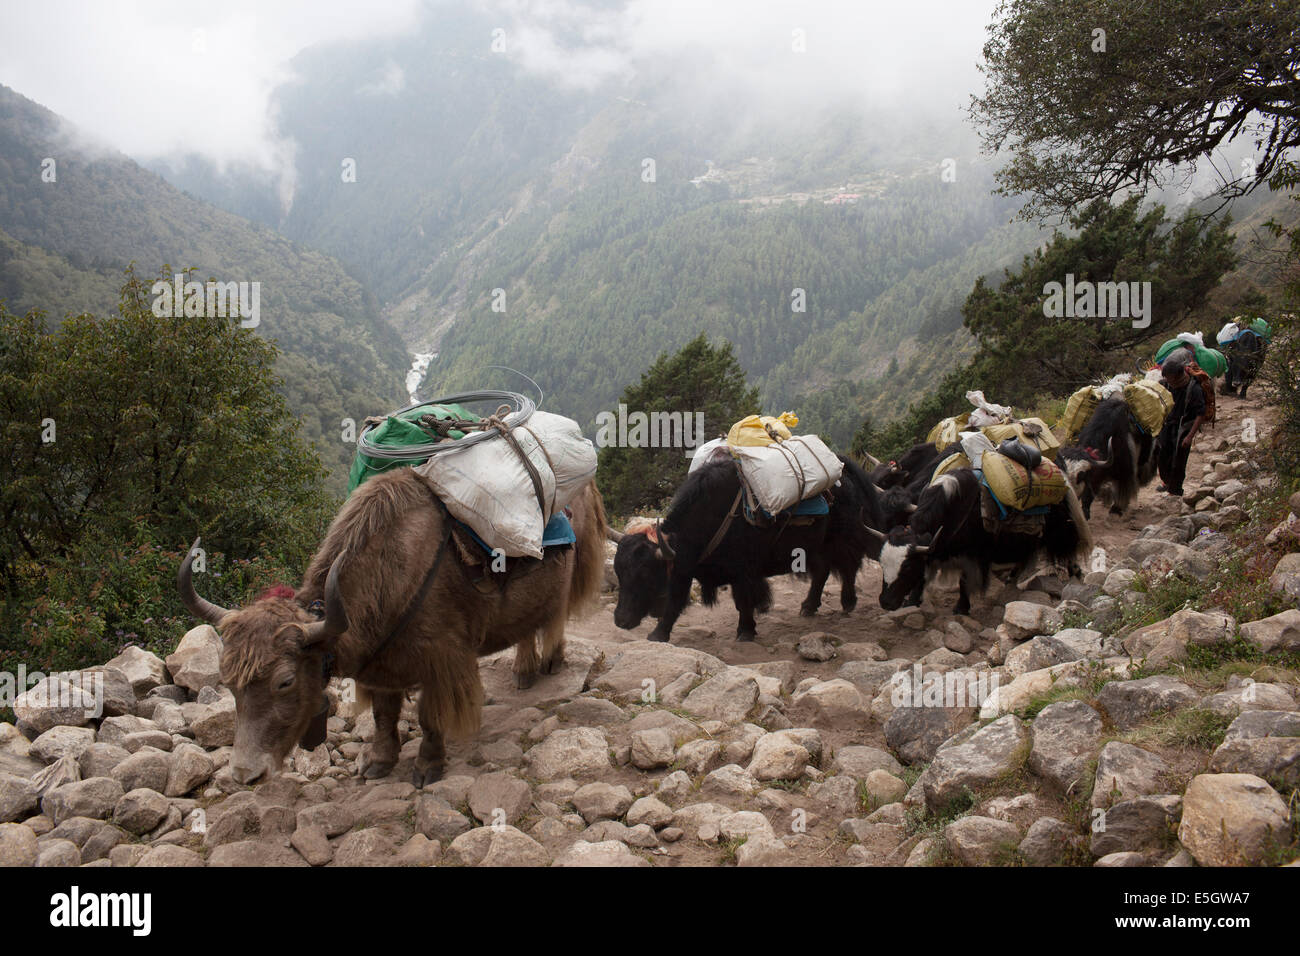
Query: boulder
(1279,633)
(94,798)
(728,696)
(981,841)
(915,733)
(1124,772)
(499,798)
(601,801)
(778,757)
(196,662)
(603,853)
(1129,703)
(143,670)
(1275,759)
(1263,723)
(580,752)
(1143,823)
(974,761)
(1285,579)
(1065,736)
(1232,819)
(1048,842)
(497,846)
(55,702)
(1025,619)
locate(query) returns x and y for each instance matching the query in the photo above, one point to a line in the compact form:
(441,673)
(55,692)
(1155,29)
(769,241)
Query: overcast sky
(151,77)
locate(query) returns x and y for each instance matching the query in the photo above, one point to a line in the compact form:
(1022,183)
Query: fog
(153,79)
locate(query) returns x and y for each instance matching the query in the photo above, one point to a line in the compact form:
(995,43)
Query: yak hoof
(552,665)
(421,778)
(746,636)
(658,635)
(808,610)
(525,679)
(372,769)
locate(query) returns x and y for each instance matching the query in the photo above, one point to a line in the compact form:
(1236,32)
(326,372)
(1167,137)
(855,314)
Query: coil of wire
(522,408)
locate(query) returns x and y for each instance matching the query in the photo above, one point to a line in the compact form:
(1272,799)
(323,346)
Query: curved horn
(912,506)
(336,615)
(924,549)
(880,535)
(871,459)
(612,535)
(664,546)
(203,610)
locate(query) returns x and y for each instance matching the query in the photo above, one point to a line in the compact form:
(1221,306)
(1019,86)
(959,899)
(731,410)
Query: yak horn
(203,610)
(877,534)
(912,507)
(615,536)
(871,459)
(664,546)
(927,548)
(336,616)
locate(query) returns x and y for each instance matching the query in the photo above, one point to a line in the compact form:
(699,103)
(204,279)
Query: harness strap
(726,524)
(416,602)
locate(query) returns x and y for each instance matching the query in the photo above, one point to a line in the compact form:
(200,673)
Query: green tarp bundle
(399,431)
(1211,361)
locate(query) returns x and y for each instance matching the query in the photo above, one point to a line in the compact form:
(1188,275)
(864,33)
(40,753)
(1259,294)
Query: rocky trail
(1084,746)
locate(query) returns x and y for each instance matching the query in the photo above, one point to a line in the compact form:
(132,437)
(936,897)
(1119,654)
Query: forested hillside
(621,220)
(67,242)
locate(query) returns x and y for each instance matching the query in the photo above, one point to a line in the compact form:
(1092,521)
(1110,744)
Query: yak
(1245,357)
(398,609)
(704,538)
(918,460)
(1129,460)
(947,530)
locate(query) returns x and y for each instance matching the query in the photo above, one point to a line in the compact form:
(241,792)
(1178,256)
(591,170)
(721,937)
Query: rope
(523,408)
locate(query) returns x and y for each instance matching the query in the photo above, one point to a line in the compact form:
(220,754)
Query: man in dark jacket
(1185,419)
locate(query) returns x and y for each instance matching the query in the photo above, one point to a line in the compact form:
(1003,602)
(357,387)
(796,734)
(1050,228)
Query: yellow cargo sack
(1012,485)
(753,431)
(1044,440)
(1149,402)
(953,462)
(945,433)
(1078,410)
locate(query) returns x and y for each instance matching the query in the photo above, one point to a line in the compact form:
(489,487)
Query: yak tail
(589,568)
(1084,549)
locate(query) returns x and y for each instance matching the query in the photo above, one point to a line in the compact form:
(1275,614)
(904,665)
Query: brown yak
(377,557)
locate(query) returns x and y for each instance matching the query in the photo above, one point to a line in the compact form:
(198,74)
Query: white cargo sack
(780,475)
(1228,333)
(486,485)
(986,413)
(711,450)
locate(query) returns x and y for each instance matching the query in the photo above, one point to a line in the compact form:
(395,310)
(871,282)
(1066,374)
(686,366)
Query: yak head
(273,658)
(1085,466)
(903,559)
(641,564)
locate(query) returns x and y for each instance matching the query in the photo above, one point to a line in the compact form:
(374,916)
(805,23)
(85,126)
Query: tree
(1093,97)
(1025,352)
(130,435)
(699,378)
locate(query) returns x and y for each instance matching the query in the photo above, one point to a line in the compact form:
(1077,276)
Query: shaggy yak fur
(367,573)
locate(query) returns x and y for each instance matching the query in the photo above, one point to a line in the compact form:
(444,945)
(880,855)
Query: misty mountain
(619,220)
(64,245)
